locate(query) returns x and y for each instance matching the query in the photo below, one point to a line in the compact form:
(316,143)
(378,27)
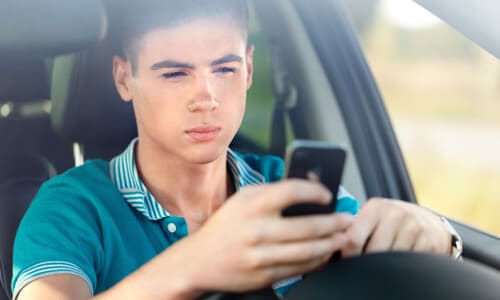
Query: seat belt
(286,96)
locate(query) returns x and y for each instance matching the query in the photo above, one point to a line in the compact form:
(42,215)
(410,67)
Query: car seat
(25,123)
(87,109)
(21,174)
(26,136)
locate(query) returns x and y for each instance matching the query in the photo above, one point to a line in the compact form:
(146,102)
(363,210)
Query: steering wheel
(391,276)
(400,275)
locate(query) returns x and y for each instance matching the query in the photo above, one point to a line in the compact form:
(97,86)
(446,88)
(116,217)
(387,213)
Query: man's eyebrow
(171,64)
(176,64)
(227,59)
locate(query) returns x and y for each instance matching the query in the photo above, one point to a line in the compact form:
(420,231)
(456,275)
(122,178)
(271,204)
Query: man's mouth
(204,133)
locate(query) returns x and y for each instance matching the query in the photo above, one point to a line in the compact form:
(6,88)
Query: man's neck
(186,189)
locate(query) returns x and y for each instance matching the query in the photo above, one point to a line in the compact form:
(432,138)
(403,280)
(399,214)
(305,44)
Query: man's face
(189,88)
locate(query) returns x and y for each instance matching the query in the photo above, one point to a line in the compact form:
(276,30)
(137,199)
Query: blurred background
(443,95)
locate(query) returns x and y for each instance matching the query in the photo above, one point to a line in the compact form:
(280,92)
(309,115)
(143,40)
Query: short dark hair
(139,17)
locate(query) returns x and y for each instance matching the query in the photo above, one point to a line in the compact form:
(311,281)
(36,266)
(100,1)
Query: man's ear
(122,73)
(249,58)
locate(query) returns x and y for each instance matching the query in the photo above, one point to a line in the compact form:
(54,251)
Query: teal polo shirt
(99,221)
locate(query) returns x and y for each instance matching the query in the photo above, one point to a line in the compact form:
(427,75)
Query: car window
(257,123)
(443,96)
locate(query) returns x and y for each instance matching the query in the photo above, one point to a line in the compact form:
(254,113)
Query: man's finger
(422,245)
(361,229)
(406,237)
(306,227)
(383,237)
(280,272)
(283,194)
(300,252)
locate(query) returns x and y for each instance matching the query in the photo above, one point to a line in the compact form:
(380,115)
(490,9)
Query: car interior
(59,107)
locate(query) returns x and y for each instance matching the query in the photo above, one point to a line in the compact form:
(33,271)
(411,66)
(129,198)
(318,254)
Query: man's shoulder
(91,170)
(64,223)
(77,194)
(92,175)
(269,166)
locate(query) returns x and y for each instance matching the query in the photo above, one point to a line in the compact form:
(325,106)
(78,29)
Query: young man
(120,229)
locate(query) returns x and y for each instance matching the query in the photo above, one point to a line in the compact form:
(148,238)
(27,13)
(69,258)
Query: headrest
(49,27)
(24,165)
(86,107)
(24,80)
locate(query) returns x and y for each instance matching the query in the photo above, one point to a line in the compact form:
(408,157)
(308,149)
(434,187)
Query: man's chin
(207,155)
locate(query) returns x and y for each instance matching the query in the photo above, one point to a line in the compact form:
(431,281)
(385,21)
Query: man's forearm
(161,278)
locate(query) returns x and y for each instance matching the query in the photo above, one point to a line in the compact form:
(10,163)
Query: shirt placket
(175,228)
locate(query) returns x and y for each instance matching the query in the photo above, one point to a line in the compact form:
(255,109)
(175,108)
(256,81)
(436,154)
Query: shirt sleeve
(59,234)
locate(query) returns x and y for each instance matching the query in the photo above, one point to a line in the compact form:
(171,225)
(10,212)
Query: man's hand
(247,244)
(392,225)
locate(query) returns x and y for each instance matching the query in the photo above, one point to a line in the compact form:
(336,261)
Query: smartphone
(315,160)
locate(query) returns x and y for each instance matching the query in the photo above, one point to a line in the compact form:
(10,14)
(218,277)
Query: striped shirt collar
(123,172)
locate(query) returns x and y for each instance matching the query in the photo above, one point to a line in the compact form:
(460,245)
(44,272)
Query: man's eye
(225,70)
(173,75)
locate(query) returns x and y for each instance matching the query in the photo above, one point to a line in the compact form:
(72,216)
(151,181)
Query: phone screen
(315,160)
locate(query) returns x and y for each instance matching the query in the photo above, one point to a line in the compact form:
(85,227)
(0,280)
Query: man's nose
(204,100)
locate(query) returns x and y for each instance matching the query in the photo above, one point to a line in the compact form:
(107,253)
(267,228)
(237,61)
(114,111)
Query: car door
(373,140)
